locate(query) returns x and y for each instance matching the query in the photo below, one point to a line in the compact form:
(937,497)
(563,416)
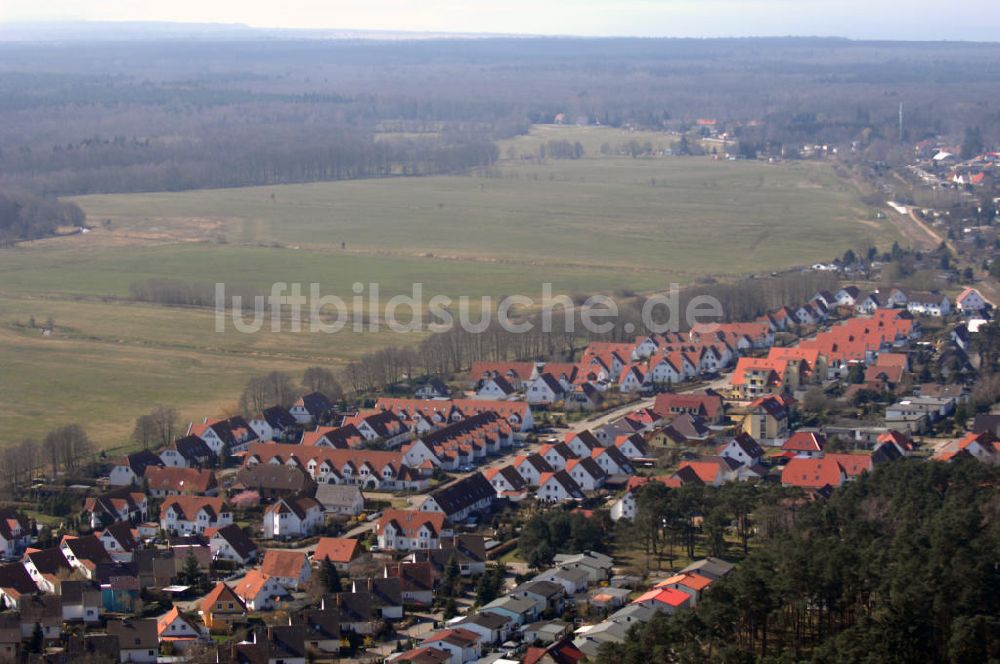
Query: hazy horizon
(920,20)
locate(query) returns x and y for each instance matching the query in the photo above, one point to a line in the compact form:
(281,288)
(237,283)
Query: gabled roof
(49,561)
(853,464)
(15,580)
(805,441)
(275,477)
(12,519)
(236,538)
(192,448)
(252,584)
(409,522)
(588,465)
(135,634)
(314,403)
(188,507)
(509,474)
(283,563)
(586,437)
(123,533)
(139,461)
(336,549)
(184,480)
(297,505)
(747,443)
(707,405)
(221,593)
(669,596)
(463,494)
(811,473)
(278,417)
(562,478)
(536,461)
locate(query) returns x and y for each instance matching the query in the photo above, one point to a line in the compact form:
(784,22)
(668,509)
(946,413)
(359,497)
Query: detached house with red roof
(971,302)
(179,631)
(406,530)
(341,551)
(289,568)
(221,607)
(708,406)
(665,600)
(174,481)
(259,592)
(193,514)
(15,532)
(813,473)
(805,444)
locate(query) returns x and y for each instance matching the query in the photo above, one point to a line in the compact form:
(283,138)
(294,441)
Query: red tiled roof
(811,473)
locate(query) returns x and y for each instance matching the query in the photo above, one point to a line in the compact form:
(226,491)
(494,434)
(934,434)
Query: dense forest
(171,114)
(899,566)
(27,217)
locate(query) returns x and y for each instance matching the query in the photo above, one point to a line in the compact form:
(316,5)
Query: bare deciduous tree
(273,389)
(322,380)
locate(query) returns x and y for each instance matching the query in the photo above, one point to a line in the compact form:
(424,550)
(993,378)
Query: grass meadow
(597,224)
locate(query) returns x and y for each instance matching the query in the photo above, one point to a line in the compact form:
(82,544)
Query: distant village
(312,533)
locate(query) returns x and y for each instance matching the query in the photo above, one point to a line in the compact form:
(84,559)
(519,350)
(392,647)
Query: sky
(977,20)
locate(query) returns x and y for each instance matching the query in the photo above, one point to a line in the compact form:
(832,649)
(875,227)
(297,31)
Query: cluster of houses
(650,361)
(678,592)
(527,614)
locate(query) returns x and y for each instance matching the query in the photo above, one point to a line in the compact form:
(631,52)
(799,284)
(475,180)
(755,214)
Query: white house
(531,468)
(612,461)
(130,469)
(545,390)
(970,302)
(507,482)
(175,629)
(744,449)
(193,514)
(258,591)
(495,387)
(624,507)
(632,446)
(586,473)
(557,487)
(848,296)
(406,530)
(231,543)
(632,379)
(556,455)
(15,532)
(289,568)
(461,644)
(292,517)
(929,304)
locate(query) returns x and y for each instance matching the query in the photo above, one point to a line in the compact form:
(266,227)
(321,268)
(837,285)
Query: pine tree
(329,577)
(192,571)
(37,639)
(451,576)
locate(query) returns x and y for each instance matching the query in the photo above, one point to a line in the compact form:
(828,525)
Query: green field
(596,224)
